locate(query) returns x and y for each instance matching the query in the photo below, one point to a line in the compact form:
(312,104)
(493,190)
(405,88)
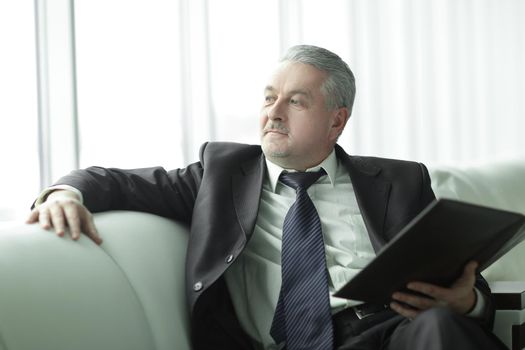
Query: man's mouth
(276,131)
(275,128)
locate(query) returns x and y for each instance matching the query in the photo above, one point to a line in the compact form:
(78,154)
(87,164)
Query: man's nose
(276,111)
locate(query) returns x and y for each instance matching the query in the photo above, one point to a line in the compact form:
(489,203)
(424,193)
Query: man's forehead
(300,91)
(295,77)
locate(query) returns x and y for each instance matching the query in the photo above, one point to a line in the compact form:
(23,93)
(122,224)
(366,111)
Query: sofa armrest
(509,324)
(127,293)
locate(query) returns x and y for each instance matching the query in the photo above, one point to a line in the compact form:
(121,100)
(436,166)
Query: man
(237,200)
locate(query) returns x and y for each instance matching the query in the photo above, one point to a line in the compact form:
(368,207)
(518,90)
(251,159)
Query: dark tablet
(435,246)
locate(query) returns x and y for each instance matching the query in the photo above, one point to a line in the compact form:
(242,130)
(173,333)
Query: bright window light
(128,83)
(19,175)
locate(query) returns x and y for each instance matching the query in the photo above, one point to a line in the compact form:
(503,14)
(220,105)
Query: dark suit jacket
(219,198)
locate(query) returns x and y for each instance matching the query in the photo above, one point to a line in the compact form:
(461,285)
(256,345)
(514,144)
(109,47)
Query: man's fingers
(92,232)
(471,266)
(33,216)
(459,297)
(63,214)
(470,270)
(79,219)
(466,281)
(74,219)
(57,219)
(404,311)
(431,290)
(43,217)
(416,301)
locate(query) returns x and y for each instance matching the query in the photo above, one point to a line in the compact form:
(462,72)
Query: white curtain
(439,81)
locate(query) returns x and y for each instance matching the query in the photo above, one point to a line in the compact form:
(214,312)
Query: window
(128,73)
(19,175)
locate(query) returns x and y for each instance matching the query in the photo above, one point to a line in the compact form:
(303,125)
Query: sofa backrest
(497,184)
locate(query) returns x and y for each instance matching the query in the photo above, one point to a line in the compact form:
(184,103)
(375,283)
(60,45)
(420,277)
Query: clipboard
(435,246)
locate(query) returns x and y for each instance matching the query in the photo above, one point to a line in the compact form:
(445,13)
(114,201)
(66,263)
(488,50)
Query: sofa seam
(136,296)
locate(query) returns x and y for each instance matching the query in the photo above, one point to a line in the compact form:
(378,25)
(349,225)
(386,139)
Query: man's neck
(290,164)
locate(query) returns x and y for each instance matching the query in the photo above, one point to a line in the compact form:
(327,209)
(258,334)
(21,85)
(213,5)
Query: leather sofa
(128,294)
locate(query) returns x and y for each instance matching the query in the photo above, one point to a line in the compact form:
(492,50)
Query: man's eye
(294,101)
(269,99)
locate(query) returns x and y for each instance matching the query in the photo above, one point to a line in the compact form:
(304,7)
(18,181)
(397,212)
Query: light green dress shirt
(254,280)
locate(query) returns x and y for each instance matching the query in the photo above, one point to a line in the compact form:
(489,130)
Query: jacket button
(197,286)
(229,259)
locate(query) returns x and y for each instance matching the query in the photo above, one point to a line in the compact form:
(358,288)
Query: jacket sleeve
(153,190)
(486,319)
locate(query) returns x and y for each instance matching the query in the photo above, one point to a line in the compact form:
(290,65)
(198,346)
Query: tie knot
(301,179)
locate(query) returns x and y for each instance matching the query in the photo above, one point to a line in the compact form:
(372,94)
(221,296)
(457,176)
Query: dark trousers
(434,329)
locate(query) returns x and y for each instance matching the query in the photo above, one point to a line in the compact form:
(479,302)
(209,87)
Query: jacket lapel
(247,186)
(372,193)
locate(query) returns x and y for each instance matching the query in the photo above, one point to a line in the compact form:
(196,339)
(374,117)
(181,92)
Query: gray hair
(339,86)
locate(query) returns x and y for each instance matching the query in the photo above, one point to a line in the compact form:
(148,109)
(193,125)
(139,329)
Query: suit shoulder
(389,167)
(374,165)
(228,152)
(379,161)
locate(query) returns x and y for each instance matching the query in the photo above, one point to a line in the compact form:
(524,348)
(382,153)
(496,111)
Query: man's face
(297,129)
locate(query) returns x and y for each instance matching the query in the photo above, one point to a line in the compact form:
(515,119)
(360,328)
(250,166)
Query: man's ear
(339,119)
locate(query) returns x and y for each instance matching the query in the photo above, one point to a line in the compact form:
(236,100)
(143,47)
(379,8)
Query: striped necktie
(303,317)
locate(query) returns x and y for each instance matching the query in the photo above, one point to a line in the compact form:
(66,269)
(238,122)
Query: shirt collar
(329,164)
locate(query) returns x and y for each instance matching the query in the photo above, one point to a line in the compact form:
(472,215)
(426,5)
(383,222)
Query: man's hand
(61,210)
(460,297)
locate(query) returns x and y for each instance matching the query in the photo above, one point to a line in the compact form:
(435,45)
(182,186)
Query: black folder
(435,246)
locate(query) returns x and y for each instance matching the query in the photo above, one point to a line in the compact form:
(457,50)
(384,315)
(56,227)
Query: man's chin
(270,151)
